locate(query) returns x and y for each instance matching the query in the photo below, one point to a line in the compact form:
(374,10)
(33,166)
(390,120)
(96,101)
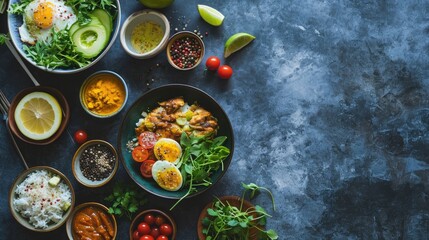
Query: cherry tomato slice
(159,220)
(143,228)
(162,237)
(149,219)
(166,229)
(147,139)
(147,237)
(212,63)
(139,154)
(146,168)
(136,235)
(224,72)
(155,232)
(80,136)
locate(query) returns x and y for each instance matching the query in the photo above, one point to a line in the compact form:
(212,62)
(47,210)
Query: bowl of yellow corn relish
(144,34)
(103,94)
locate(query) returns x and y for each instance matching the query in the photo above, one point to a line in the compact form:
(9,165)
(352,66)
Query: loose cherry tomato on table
(80,136)
(147,140)
(166,229)
(149,218)
(155,232)
(162,237)
(136,235)
(224,72)
(139,154)
(159,220)
(212,63)
(147,237)
(143,228)
(146,170)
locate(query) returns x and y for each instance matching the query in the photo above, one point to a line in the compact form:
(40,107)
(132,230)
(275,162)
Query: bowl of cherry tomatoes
(153,224)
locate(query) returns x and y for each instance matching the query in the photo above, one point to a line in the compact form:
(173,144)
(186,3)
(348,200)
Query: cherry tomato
(146,168)
(80,136)
(155,232)
(212,63)
(149,218)
(162,237)
(136,235)
(166,229)
(143,228)
(147,139)
(139,154)
(224,72)
(159,220)
(147,237)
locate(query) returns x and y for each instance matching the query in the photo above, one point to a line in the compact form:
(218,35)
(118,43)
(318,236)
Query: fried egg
(167,175)
(43,16)
(167,149)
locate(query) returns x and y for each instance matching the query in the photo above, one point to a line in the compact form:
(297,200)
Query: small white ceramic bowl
(134,20)
(77,172)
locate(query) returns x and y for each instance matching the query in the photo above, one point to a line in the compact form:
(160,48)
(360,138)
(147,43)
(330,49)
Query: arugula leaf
(3,38)
(84,7)
(59,52)
(18,7)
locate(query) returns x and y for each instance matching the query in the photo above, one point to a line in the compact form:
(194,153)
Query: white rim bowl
(139,17)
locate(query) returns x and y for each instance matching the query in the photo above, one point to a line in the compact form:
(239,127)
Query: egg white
(63,17)
(160,168)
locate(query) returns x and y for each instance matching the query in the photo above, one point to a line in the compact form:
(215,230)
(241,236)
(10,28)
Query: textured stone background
(329,106)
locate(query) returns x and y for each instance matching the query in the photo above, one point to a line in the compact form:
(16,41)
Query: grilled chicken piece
(203,122)
(172,131)
(172,105)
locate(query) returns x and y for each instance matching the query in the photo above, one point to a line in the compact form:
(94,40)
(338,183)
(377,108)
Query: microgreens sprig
(230,222)
(125,199)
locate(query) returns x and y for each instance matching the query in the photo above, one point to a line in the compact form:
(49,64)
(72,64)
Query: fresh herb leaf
(18,7)
(59,52)
(125,199)
(3,38)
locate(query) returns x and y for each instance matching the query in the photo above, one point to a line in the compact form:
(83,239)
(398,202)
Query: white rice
(39,202)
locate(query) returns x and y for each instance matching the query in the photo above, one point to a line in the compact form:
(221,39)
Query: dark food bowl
(154,212)
(233,201)
(61,101)
(150,100)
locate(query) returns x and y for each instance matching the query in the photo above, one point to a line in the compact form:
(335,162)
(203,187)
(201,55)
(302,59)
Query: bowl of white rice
(41,199)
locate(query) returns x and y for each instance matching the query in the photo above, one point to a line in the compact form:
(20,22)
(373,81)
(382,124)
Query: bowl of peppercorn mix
(185,50)
(95,163)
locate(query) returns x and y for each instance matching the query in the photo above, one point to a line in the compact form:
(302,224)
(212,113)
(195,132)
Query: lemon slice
(210,15)
(237,42)
(38,115)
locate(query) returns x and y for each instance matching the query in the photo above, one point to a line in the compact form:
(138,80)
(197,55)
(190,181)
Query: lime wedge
(237,42)
(210,15)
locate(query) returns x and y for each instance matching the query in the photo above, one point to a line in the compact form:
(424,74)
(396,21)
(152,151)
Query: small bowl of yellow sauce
(103,94)
(144,34)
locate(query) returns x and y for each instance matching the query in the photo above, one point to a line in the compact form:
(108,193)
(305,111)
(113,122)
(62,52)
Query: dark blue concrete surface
(329,105)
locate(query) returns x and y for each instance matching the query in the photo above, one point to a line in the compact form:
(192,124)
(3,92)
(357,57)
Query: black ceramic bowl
(149,101)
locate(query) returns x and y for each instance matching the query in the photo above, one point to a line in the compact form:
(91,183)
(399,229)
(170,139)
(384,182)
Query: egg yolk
(44,14)
(167,151)
(169,179)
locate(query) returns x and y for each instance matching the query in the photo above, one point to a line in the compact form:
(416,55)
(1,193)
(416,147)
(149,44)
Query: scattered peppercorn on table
(328,105)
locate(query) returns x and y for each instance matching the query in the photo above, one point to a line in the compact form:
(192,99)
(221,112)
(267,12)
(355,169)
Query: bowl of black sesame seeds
(185,50)
(95,163)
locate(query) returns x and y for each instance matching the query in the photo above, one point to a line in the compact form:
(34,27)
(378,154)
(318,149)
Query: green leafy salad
(64,34)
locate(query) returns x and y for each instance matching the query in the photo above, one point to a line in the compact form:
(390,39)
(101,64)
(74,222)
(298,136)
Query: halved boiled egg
(167,149)
(167,175)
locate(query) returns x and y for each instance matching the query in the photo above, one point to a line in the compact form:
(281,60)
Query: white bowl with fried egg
(40,18)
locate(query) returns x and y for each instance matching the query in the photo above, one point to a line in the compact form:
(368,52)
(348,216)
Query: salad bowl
(16,20)
(150,100)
